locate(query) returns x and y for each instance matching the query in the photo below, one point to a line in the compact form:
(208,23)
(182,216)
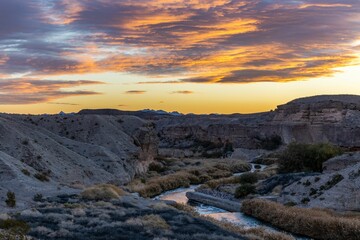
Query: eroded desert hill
(44,154)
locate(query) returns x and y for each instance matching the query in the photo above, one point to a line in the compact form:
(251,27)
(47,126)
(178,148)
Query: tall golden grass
(314,223)
(157,185)
(184,173)
(102,192)
(257,233)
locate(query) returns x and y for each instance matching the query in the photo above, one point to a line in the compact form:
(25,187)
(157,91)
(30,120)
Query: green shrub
(306,157)
(270,143)
(228,148)
(38,197)
(157,167)
(244,190)
(212,154)
(10,200)
(307,183)
(42,177)
(25,172)
(332,182)
(15,226)
(313,191)
(290,204)
(250,178)
(305,200)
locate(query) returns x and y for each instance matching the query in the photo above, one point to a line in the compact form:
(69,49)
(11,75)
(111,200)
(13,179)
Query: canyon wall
(333,119)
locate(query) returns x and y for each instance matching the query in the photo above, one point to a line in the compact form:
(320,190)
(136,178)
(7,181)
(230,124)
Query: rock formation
(337,190)
(334,119)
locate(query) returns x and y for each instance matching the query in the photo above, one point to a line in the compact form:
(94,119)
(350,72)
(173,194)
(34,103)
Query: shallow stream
(238,218)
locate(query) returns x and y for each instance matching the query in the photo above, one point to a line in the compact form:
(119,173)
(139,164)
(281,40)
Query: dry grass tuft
(102,192)
(315,223)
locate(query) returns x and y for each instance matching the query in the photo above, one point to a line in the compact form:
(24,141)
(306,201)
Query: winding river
(237,218)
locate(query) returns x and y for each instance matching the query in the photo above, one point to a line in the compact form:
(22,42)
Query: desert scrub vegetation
(157,185)
(298,157)
(250,178)
(334,180)
(13,229)
(42,176)
(102,192)
(270,142)
(25,172)
(10,199)
(149,221)
(314,223)
(249,233)
(157,167)
(184,173)
(244,190)
(38,197)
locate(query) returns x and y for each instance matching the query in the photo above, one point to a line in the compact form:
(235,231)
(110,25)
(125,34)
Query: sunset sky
(199,56)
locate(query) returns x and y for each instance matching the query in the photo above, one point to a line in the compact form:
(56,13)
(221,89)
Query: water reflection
(177,195)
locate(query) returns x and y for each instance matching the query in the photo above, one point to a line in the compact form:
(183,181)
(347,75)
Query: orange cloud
(62,12)
(324,5)
(28,91)
(200,41)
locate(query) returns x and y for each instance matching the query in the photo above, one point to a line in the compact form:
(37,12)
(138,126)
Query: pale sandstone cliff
(334,119)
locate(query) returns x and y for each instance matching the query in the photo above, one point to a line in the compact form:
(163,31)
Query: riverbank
(314,223)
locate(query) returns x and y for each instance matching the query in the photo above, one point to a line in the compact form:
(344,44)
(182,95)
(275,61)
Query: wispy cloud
(183,92)
(135,92)
(61,103)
